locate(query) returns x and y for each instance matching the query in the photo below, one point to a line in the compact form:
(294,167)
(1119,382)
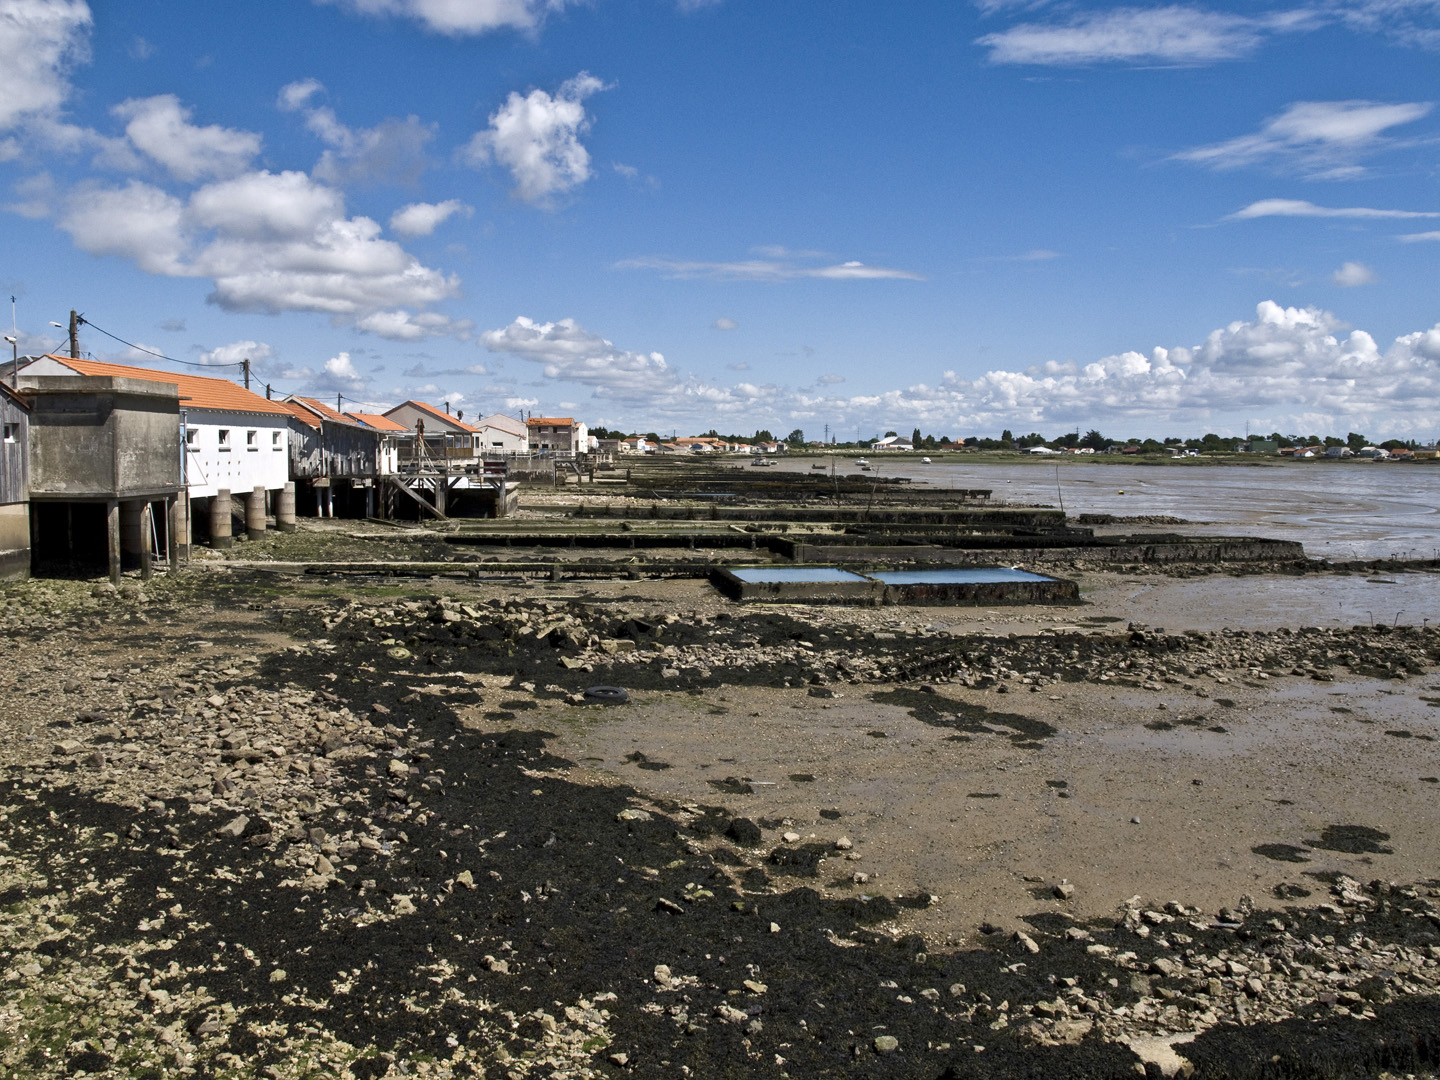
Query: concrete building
(14,485)
(558,435)
(105,471)
(501,434)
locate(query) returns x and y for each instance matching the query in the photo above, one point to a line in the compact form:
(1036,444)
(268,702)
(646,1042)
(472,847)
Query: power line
(151,352)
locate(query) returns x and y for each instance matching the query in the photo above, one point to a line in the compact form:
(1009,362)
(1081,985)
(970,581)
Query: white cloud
(1325,139)
(255,351)
(421,219)
(339,375)
(1301,208)
(830,380)
(1419,237)
(1297,367)
(392,152)
(160,128)
(1176,34)
(270,242)
(724,323)
(41,41)
(1351,274)
(537,137)
(459,18)
(764,270)
(403,325)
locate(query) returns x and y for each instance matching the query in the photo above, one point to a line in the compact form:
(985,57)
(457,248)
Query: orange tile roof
(304,415)
(196,391)
(551,420)
(321,408)
(375,420)
(439,414)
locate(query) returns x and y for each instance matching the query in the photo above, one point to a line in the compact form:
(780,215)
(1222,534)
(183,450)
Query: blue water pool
(979,575)
(786,575)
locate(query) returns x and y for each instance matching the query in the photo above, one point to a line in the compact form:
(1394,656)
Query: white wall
(246,463)
(497,436)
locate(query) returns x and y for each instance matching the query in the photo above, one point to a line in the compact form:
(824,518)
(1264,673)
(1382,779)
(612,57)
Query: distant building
(557,435)
(334,457)
(501,434)
(892,442)
(447,437)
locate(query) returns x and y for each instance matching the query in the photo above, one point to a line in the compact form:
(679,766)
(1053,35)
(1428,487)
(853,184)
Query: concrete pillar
(178,533)
(442,489)
(319,503)
(220,537)
(285,509)
(330,499)
(112,538)
(255,514)
(370,501)
(147,559)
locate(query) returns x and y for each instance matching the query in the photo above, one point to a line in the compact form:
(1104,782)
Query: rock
(1064,891)
(279,975)
(886,1044)
(844,844)
(234,828)
(755,987)
(791,837)
(731,1015)
(399,652)
(403,905)
(631,814)
(745,833)
(1027,942)
(662,904)
(497,967)
(620,1058)
(1166,967)
(466,879)
(662,975)
(397,768)
(68,748)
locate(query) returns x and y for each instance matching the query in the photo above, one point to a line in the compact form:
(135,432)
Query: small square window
(192,437)
(12,432)
(275,440)
(224,438)
(251,442)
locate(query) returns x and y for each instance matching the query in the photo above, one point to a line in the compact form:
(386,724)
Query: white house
(234,440)
(501,434)
(892,442)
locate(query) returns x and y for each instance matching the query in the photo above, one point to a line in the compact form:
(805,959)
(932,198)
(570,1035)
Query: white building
(234,440)
(501,434)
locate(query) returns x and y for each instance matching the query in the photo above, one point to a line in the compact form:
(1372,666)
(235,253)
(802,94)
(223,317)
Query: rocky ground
(305,829)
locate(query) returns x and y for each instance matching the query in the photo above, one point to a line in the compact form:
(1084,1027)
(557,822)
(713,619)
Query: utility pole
(74,336)
(245,364)
(337,401)
(267,391)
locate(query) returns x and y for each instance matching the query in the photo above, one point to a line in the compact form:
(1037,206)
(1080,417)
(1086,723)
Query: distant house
(14,485)
(446,437)
(1041,450)
(557,435)
(1339,452)
(392,435)
(333,455)
(1377,453)
(501,434)
(892,442)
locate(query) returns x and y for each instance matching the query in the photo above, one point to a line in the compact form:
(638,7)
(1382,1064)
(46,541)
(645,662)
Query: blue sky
(676,214)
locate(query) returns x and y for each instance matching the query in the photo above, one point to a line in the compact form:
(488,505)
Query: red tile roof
(375,420)
(439,414)
(562,420)
(321,408)
(304,415)
(196,391)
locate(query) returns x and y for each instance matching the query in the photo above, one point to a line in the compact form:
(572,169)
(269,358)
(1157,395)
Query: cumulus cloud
(1351,274)
(830,380)
(1302,208)
(460,18)
(270,242)
(1175,34)
(40,42)
(255,351)
(724,323)
(1296,366)
(421,219)
(391,152)
(160,128)
(764,270)
(537,137)
(338,376)
(403,325)
(1324,139)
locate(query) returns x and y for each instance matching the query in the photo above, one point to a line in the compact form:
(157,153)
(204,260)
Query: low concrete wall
(14,541)
(1161,550)
(988,594)
(797,592)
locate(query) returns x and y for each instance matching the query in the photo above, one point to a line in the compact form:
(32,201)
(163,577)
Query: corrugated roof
(196,391)
(439,414)
(375,420)
(551,420)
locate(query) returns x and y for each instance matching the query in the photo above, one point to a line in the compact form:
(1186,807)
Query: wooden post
(147,568)
(174,528)
(112,538)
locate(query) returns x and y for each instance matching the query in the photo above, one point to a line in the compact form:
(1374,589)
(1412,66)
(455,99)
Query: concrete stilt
(220,537)
(255,514)
(112,538)
(147,559)
(285,509)
(177,533)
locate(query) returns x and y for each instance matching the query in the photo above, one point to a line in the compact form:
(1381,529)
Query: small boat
(817,466)
(861,461)
(761,463)
(924,461)
(865,467)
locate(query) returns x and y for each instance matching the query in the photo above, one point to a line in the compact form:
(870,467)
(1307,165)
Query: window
(252,440)
(275,440)
(225,439)
(12,432)
(192,438)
